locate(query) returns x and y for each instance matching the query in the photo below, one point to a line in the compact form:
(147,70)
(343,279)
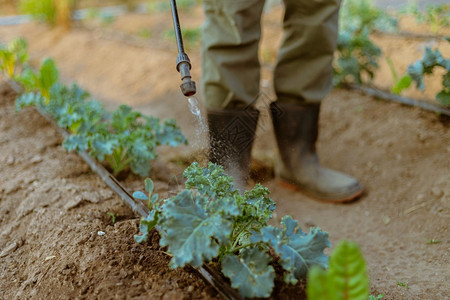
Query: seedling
(210,219)
(433,242)
(357,57)
(403,284)
(124,139)
(113,217)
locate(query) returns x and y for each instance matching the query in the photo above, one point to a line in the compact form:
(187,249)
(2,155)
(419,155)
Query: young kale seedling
(211,220)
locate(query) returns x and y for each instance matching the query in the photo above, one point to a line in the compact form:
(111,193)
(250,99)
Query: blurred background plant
(53,12)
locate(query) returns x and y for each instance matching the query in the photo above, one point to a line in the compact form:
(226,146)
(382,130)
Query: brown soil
(52,206)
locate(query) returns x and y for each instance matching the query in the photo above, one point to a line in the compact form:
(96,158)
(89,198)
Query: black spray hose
(183,63)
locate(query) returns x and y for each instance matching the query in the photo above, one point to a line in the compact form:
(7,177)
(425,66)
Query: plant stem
(236,239)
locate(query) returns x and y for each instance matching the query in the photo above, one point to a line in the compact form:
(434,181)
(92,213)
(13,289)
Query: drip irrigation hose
(208,274)
(399,99)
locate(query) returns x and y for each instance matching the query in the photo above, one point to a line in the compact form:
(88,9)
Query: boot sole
(294,187)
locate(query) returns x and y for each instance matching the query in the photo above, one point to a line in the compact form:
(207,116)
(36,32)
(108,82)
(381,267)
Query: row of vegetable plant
(209,221)
(122,139)
(358,56)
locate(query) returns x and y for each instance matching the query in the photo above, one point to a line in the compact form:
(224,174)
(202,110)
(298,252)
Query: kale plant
(211,221)
(431,60)
(123,139)
(357,57)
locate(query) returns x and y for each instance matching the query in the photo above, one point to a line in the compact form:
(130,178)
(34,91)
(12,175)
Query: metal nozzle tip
(188,88)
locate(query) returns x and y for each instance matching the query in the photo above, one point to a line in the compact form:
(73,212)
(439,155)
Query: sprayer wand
(183,63)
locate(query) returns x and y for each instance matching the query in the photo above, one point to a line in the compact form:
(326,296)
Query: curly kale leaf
(250,272)
(169,134)
(192,233)
(76,143)
(29,99)
(210,181)
(101,145)
(298,251)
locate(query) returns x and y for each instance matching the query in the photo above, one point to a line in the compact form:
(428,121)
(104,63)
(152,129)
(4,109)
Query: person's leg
(230,81)
(304,65)
(230,65)
(303,77)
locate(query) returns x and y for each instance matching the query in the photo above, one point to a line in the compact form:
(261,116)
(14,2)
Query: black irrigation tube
(208,274)
(399,99)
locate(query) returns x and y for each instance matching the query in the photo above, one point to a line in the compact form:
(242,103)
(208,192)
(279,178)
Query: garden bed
(52,206)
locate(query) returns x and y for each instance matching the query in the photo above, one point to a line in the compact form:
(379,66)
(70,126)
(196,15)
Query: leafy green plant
(113,217)
(434,241)
(400,83)
(42,81)
(52,12)
(191,36)
(40,10)
(346,277)
(431,60)
(378,297)
(123,139)
(436,16)
(357,55)
(211,221)
(161,6)
(403,284)
(13,57)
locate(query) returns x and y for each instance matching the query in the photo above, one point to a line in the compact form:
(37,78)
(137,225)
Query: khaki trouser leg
(304,64)
(230,39)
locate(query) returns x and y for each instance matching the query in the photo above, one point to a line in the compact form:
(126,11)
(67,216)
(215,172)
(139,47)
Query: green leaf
(76,143)
(317,288)
(140,195)
(149,186)
(146,225)
(124,118)
(192,233)
(402,83)
(297,250)
(444,98)
(48,76)
(28,99)
(415,71)
(101,145)
(346,277)
(347,272)
(250,272)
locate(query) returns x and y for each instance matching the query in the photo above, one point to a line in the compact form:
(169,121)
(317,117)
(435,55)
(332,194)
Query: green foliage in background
(431,60)
(191,36)
(357,55)
(40,10)
(123,139)
(210,219)
(346,278)
(13,56)
(154,6)
(436,16)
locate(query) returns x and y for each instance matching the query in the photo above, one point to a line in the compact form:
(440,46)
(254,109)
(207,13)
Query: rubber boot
(296,130)
(231,135)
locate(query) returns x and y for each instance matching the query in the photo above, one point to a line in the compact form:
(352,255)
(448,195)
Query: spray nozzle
(187,86)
